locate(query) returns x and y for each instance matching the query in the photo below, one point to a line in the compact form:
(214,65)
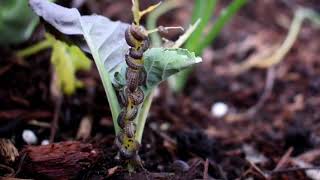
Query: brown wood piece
(63,160)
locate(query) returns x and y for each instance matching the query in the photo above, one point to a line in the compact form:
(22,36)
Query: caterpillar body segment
(133,63)
(133,79)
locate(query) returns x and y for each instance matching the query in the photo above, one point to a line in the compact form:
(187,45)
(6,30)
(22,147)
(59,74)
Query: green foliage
(224,18)
(17,21)
(159,63)
(106,42)
(153,17)
(204,9)
(66,60)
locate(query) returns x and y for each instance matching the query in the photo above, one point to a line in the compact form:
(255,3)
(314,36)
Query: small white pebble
(219,109)
(45,142)
(164,126)
(29,137)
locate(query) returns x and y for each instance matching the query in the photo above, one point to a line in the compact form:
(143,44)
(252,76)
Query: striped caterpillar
(131,96)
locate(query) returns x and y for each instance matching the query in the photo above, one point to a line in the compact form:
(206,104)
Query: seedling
(199,40)
(127,65)
(67,60)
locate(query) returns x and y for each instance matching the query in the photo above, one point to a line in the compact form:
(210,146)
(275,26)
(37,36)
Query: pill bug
(131,96)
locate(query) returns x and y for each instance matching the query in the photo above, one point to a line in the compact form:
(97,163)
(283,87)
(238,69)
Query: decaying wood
(63,160)
(8,151)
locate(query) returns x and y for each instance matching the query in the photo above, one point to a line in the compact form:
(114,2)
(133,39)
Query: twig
(183,38)
(264,97)
(293,169)
(8,169)
(57,97)
(154,16)
(40,124)
(20,164)
(55,121)
(205,172)
(309,156)
(266,93)
(258,170)
(284,159)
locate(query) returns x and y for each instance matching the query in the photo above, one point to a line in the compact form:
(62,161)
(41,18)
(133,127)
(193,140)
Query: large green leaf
(159,64)
(104,40)
(17,21)
(102,36)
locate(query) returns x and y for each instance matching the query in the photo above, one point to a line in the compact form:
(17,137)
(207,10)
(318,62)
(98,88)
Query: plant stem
(183,38)
(44,44)
(154,16)
(107,84)
(194,44)
(224,18)
(143,114)
(206,10)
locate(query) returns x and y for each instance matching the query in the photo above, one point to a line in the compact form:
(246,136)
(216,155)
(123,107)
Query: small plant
(199,40)
(126,64)
(66,60)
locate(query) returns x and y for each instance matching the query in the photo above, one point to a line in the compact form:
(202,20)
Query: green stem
(183,38)
(44,44)
(206,8)
(107,84)
(194,43)
(154,16)
(224,18)
(142,116)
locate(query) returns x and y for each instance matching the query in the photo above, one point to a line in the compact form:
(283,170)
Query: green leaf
(224,17)
(67,60)
(204,10)
(102,36)
(104,40)
(159,64)
(17,21)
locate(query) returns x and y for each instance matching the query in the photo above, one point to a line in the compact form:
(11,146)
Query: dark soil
(182,139)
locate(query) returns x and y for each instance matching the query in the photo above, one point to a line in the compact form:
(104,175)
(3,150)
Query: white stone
(29,137)
(219,109)
(45,142)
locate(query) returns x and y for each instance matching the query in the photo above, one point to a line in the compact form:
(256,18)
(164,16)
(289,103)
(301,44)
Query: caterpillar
(131,96)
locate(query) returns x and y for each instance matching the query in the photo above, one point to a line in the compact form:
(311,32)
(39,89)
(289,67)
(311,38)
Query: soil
(183,139)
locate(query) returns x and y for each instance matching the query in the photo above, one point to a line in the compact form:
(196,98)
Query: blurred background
(249,110)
